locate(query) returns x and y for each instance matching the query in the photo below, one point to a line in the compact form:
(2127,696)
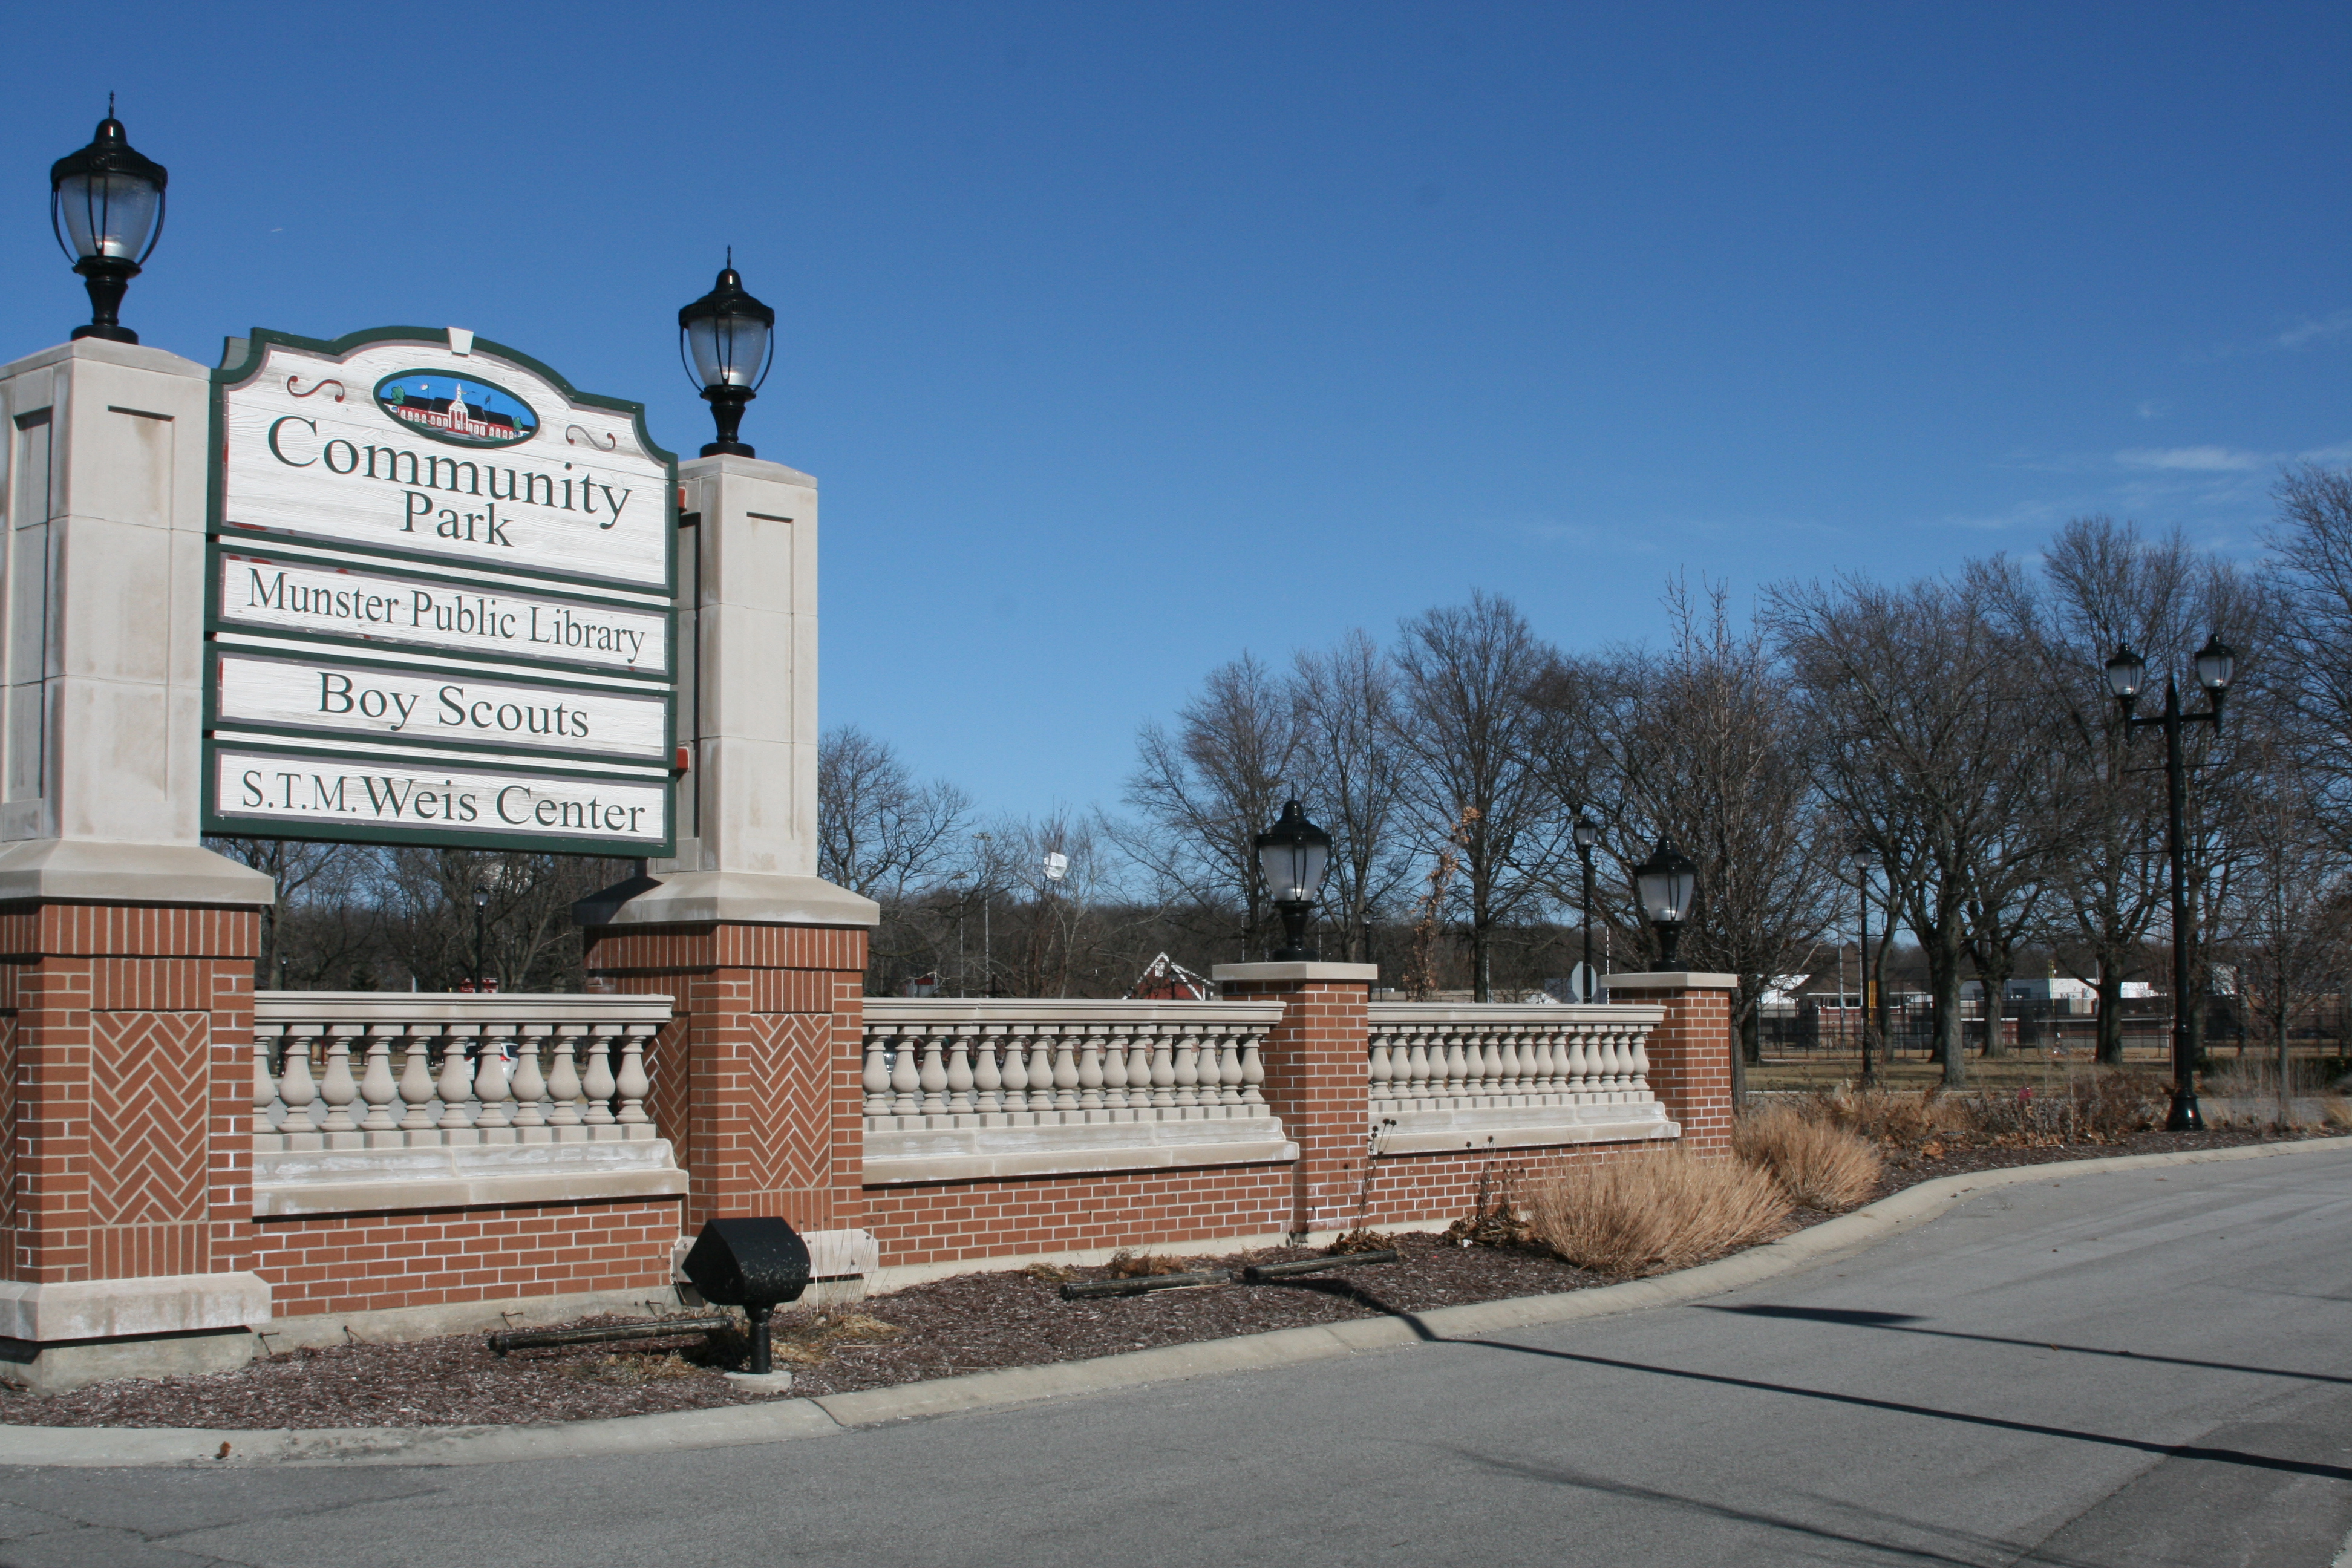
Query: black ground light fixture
(106,207)
(1666,882)
(757,1263)
(1293,854)
(2216,663)
(727,339)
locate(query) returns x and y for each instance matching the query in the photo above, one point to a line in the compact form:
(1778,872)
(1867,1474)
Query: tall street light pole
(2126,675)
(1586,835)
(1862,861)
(481,918)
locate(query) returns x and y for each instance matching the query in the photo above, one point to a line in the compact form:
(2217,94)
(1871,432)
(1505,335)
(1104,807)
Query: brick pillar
(1317,1077)
(1690,1050)
(756,1082)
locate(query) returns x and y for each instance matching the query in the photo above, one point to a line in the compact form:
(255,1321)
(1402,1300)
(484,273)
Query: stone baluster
(631,1084)
(457,1086)
(266,1136)
(379,1089)
(1016,1075)
(1229,1070)
(1639,1066)
(1140,1097)
(1379,1073)
(296,1089)
(1457,1066)
(960,1080)
(1114,1070)
(1187,1074)
(878,1080)
(1163,1073)
(1416,1096)
(494,1083)
(1502,1066)
(599,1086)
(987,1078)
(530,1086)
(1066,1071)
(416,1121)
(1090,1074)
(1042,1087)
(338,1088)
(563,1086)
(1612,1065)
(1580,1064)
(1544,1083)
(906,1071)
(933,1076)
(1252,1074)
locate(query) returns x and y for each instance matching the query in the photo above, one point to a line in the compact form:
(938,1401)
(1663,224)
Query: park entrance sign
(440,587)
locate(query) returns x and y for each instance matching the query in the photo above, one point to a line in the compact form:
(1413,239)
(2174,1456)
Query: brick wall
(951,1222)
(358,1263)
(1317,1083)
(125,1035)
(1690,1065)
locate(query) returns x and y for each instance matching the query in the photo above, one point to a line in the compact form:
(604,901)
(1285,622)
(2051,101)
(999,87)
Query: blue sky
(1124,338)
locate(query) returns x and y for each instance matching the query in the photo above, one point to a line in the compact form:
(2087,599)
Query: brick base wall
(359,1263)
(1419,1189)
(953,1222)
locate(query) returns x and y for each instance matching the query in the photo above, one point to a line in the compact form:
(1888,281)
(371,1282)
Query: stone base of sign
(392,1325)
(58,1337)
(75,868)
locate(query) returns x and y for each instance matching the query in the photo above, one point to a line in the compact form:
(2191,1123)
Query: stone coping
(986,1153)
(1558,1014)
(457,1007)
(1476,1130)
(683,1431)
(1264,973)
(1668,980)
(1012,1010)
(288,1183)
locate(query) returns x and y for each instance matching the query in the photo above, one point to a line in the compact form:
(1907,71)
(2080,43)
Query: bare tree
(1918,736)
(1345,703)
(879,832)
(1465,677)
(1694,743)
(1207,789)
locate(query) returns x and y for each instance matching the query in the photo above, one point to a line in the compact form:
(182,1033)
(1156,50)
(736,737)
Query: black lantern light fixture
(2216,664)
(1666,883)
(1293,854)
(727,339)
(106,207)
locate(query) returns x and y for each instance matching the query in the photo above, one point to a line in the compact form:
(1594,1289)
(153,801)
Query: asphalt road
(2139,1369)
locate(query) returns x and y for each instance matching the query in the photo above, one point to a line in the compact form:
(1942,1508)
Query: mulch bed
(971,1322)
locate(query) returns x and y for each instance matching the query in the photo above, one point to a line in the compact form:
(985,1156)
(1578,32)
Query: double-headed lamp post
(1862,860)
(1293,854)
(2127,676)
(1666,882)
(106,207)
(728,340)
(1586,835)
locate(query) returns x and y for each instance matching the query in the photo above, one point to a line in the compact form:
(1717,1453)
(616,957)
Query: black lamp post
(481,917)
(1586,835)
(2127,674)
(1666,882)
(1861,859)
(1293,854)
(106,207)
(727,339)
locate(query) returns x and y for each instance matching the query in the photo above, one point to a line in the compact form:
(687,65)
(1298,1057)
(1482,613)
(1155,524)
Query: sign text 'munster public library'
(440,600)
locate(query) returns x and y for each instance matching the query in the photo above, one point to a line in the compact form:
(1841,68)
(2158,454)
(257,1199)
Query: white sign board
(441,601)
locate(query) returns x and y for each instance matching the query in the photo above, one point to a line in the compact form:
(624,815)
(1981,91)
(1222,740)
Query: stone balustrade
(405,1098)
(965,1088)
(1444,1075)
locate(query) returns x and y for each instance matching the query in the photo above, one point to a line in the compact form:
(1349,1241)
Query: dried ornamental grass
(1655,1213)
(1817,1163)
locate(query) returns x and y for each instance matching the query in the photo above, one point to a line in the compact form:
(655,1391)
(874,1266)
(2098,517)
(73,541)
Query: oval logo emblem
(459,409)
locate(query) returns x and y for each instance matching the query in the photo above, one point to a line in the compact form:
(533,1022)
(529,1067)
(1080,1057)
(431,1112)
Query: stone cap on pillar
(1669,980)
(1306,973)
(750,898)
(101,870)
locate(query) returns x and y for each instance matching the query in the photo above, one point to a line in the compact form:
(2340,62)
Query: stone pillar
(1690,1050)
(1317,1077)
(757,1082)
(126,948)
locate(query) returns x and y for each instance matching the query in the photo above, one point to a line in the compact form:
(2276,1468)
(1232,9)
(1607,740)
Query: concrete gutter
(1832,1240)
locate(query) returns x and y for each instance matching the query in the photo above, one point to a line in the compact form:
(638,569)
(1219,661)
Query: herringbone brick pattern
(147,1121)
(7,1123)
(790,1109)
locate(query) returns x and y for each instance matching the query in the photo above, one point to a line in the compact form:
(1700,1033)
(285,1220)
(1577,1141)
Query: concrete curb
(186,1447)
